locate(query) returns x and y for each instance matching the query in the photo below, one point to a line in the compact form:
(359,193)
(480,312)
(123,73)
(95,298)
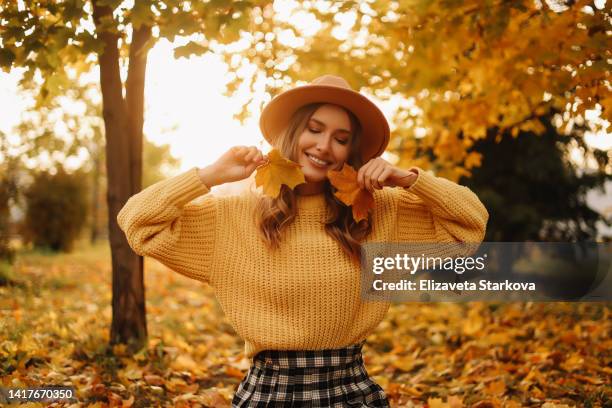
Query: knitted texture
(304,295)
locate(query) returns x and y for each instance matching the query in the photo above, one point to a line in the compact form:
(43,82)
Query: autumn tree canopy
(463,66)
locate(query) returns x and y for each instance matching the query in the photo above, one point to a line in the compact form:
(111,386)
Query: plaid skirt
(309,378)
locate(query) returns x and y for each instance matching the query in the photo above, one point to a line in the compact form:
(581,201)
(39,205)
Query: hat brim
(375,128)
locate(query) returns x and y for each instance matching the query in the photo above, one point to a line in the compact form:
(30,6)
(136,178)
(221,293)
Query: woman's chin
(315,177)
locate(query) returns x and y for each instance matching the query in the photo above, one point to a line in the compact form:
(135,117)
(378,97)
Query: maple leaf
(349,192)
(276,172)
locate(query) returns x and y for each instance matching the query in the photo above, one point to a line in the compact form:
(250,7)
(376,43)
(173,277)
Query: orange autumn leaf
(496,388)
(127,403)
(234,372)
(436,403)
(455,401)
(154,380)
(451,402)
(276,172)
(349,192)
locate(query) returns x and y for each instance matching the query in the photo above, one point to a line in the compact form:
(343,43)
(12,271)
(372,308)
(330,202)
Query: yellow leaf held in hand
(276,172)
(349,192)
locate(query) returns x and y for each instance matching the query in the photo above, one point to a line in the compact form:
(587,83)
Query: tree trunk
(129,320)
(135,99)
(95,203)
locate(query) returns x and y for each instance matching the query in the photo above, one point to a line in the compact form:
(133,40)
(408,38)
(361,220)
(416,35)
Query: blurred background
(103,98)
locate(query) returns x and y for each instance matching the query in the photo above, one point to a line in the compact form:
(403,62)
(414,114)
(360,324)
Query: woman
(286,270)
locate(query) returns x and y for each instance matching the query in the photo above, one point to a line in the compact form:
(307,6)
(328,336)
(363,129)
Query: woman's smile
(317,161)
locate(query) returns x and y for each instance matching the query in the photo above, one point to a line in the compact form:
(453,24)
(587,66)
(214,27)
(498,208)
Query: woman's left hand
(378,173)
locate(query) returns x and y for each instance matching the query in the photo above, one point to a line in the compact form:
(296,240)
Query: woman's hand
(378,173)
(236,164)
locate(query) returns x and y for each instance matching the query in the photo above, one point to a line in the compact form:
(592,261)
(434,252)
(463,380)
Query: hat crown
(331,80)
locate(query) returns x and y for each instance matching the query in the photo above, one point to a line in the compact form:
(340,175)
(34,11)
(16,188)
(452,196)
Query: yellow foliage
(349,192)
(276,172)
(466,68)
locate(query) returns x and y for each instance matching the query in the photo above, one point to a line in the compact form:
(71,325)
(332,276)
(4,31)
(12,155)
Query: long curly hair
(273,215)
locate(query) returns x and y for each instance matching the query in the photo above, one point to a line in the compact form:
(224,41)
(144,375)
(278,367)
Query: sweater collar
(311,201)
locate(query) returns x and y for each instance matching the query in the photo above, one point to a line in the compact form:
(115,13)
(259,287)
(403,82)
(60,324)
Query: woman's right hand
(236,164)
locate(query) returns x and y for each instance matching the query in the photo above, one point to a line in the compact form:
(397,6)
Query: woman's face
(325,143)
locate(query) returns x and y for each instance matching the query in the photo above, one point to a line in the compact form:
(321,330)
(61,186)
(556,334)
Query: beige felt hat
(328,89)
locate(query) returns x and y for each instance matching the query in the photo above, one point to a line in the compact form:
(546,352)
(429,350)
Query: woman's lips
(322,164)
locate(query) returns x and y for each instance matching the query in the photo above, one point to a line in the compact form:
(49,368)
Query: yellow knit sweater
(305,294)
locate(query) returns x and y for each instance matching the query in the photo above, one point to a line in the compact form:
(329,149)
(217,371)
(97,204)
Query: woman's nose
(323,143)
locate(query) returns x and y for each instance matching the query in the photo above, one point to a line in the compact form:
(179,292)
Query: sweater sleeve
(161,222)
(457,213)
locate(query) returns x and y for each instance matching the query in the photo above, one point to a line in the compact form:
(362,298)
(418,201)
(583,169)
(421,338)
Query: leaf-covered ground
(55,318)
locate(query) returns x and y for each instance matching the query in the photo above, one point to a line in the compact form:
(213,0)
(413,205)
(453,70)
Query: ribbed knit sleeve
(160,222)
(457,213)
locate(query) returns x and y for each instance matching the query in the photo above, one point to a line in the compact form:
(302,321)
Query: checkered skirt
(309,378)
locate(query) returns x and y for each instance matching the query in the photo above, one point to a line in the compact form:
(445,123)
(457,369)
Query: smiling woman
(320,137)
(324,144)
(296,298)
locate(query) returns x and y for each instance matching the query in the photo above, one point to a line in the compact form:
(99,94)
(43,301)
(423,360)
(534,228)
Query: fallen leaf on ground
(496,388)
(234,372)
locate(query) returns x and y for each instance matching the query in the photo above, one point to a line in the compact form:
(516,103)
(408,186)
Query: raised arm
(427,207)
(458,214)
(163,223)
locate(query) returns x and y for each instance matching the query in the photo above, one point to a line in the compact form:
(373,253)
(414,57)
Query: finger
(239,151)
(250,168)
(260,161)
(376,176)
(368,178)
(244,152)
(373,173)
(248,155)
(382,178)
(361,174)
(251,153)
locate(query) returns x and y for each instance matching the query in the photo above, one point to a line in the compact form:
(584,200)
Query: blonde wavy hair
(273,215)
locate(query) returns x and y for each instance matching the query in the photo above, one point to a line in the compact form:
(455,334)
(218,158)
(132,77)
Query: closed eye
(341,141)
